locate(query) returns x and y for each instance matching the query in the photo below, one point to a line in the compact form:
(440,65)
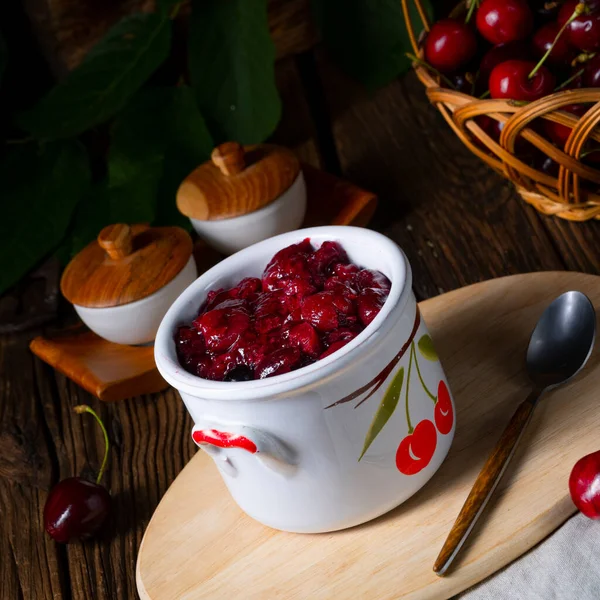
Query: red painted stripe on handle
(222,439)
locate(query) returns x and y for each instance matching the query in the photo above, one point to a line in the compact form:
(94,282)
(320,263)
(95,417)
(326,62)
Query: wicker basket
(568,196)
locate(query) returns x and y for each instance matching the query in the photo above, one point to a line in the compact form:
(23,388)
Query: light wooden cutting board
(200,545)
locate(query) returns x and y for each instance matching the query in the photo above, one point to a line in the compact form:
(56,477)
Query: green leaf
(108,76)
(426,348)
(231,60)
(385,410)
(157,141)
(40,189)
(91,215)
(368,39)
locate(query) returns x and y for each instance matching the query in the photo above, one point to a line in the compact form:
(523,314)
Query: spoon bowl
(562,340)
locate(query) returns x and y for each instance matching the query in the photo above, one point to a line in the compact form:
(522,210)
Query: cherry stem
(484,95)
(430,68)
(578,11)
(582,58)
(84,408)
(568,81)
(410,427)
(472,6)
(434,398)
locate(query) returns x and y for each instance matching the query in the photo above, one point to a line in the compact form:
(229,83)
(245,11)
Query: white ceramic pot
(137,322)
(286,213)
(290,448)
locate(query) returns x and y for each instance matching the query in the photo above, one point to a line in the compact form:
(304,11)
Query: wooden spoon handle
(485,484)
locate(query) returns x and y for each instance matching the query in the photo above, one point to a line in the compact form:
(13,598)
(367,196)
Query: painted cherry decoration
(443,413)
(501,21)
(76,508)
(584,485)
(417,449)
(450,45)
(512,80)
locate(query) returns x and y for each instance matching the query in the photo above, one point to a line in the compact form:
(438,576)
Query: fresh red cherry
(501,21)
(583,31)
(591,72)
(75,508)
(558,133)
(562,53)
(501,53)
(443,413)
(511,80)
(417,449)
(450,45)
(584,485)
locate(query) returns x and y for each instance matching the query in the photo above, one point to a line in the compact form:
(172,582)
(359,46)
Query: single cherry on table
(76,508)
(584,485)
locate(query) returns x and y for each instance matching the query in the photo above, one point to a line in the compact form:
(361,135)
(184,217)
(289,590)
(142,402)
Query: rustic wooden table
(458,222)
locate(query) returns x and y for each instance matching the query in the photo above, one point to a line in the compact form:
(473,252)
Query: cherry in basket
(501,21)
(450,45)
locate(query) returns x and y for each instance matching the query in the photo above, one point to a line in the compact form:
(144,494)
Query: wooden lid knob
(229,158)
(116,240)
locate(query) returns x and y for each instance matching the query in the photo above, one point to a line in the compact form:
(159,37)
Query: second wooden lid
(237,180)
(124,264)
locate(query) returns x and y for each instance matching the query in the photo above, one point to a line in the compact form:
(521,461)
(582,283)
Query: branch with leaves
(113,141)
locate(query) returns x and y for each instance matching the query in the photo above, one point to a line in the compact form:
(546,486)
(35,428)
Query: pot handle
(267,448)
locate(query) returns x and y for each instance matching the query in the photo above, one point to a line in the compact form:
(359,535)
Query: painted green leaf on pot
(232,69)
(385,410)
(426,348)
(109,75)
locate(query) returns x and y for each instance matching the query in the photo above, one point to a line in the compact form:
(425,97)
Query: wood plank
(31,562)
(578,243)
(457,220)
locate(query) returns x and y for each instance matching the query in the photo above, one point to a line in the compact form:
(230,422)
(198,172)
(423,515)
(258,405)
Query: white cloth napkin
(565,566)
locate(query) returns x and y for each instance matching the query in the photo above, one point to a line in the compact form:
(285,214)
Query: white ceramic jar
(136,323)
(122,283)
(318,449)
(286,213)
(243,195)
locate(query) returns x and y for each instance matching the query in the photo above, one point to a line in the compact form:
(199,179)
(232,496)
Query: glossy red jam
(308,304)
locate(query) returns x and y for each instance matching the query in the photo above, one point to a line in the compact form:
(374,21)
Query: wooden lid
(125,264)
(237,180)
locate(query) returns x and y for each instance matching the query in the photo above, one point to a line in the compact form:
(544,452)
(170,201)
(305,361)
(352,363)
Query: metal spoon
(560,345)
